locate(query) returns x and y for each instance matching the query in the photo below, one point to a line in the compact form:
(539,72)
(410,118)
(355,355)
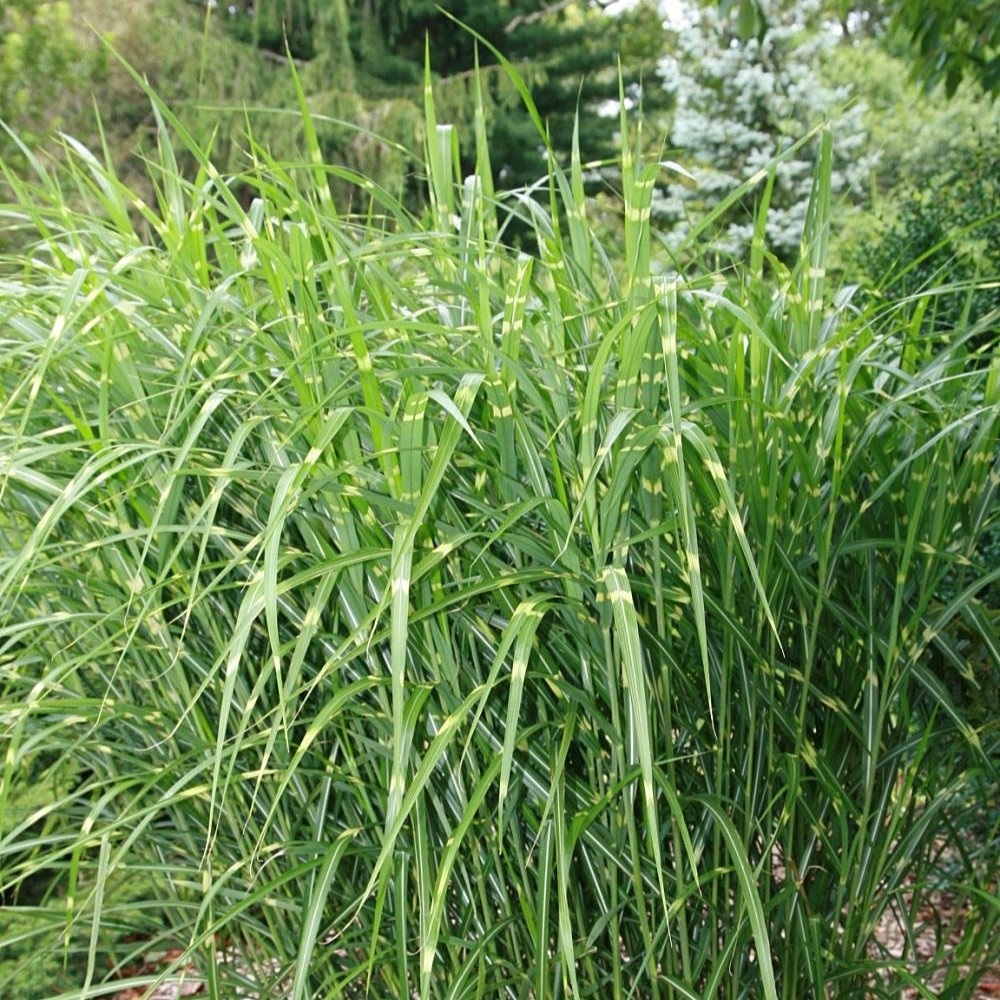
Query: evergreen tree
(742,100)
(568,52)
(309,28)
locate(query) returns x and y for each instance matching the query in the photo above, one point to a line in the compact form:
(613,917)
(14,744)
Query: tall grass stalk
(386,611)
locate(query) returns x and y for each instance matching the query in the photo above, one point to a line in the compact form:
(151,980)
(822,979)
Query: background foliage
(944,43)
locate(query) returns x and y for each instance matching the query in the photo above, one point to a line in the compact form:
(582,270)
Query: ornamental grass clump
(387,612)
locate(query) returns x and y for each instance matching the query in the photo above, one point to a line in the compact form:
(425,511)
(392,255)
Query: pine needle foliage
(417,617)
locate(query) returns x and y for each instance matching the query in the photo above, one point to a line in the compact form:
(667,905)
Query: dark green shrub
(939,258)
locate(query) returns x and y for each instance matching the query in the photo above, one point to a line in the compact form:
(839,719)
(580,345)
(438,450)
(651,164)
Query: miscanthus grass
(387,612)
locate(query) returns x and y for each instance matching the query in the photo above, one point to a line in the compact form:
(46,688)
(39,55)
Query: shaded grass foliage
(417,616)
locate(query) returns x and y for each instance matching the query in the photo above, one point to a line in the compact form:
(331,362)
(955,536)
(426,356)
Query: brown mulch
(188,982)
(938,930)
